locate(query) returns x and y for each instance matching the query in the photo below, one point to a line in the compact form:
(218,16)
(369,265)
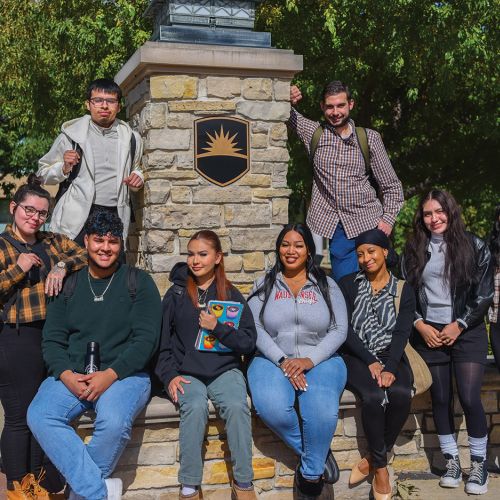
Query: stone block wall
(150,464)
(177,201)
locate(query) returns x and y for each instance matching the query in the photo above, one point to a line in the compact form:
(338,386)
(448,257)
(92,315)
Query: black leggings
(381,427)
(21,372)
(469,377)
(495,341)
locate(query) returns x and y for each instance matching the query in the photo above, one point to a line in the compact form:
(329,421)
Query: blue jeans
(228,392)
(274,400)
(343,256)
(85,467)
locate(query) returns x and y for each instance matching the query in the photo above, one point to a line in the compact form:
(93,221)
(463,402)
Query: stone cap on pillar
(154,58)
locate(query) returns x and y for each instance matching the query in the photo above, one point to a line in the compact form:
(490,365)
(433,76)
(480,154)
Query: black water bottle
(92,358)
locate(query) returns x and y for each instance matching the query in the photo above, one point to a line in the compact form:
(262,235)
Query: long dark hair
(311,269)
(222,284)
(460,256)
(32,187)
(494,240)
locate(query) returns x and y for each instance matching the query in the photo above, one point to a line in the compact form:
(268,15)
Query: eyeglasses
(99,101)
(32,211)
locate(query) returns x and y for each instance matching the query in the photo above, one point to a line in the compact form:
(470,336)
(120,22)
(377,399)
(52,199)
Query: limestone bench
(149,465)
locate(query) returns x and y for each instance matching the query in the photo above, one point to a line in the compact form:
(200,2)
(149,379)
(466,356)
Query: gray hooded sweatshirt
(299,327)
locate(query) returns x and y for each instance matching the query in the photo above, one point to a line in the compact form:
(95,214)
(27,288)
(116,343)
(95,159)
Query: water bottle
(92,358)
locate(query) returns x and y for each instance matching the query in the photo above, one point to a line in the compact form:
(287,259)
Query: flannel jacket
(30,305)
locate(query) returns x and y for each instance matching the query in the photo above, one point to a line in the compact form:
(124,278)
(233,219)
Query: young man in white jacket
(99,147)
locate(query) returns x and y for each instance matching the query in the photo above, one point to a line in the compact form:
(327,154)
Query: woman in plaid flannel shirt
(33,264)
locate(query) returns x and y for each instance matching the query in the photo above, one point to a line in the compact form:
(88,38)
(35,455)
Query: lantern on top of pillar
(217,22)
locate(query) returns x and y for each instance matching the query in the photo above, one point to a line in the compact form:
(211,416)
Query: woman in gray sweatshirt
(301,321)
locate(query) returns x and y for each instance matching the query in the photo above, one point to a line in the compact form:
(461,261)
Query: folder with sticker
(227,313)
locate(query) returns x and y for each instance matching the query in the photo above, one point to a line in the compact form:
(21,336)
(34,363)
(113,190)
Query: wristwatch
(61,265)
(282,359)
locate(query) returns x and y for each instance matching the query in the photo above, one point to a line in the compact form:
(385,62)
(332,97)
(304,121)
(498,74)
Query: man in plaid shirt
(344,203)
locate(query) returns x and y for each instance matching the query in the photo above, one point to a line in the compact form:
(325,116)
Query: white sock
(448,444)
(478,446)
(187,489)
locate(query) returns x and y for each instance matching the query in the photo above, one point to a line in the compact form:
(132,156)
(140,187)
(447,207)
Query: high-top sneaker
(478,477)
(453,475)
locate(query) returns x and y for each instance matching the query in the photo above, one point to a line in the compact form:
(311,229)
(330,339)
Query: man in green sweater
(119,309)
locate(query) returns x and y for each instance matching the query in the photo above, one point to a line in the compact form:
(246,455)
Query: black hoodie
(178,355)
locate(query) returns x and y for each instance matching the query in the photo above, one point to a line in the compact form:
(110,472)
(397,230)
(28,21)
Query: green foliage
(51,50)
(424,74)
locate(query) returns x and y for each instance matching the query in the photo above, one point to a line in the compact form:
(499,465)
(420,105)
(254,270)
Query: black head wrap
(374,237)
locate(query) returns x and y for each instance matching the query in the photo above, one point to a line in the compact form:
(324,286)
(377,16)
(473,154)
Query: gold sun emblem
(220,144)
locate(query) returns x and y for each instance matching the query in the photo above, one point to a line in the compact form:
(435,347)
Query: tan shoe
(38,492)
(22,490)
(380,493)
(238,493)
(357,474)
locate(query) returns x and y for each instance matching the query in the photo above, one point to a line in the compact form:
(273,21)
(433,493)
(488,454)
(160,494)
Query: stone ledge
(161,409)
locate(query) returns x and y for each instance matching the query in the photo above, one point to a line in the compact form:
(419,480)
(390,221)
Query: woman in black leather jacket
(451,271)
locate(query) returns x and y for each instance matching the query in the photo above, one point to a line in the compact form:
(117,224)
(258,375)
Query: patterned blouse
(374,315)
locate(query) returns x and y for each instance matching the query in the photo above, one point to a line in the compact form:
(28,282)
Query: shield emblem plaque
(221,151)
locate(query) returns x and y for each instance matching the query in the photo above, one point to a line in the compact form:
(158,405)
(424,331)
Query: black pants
(495,341)
(381,426)
(21,372)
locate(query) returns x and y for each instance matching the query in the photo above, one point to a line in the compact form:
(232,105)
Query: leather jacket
(470,302)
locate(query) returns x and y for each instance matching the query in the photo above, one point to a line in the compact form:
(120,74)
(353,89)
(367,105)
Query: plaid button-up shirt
(341,189)
(31,304)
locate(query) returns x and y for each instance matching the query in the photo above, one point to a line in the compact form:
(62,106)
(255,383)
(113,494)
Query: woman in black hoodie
(191,376)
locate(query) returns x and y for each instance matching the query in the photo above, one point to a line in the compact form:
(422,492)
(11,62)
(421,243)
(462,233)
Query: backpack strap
(314,142)
(69,286)
(64,185)
(132,274)
(23,249)
(363,144)
(397,298)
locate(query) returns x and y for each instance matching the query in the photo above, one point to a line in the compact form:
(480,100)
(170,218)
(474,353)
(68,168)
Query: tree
(424,75)
(51,49)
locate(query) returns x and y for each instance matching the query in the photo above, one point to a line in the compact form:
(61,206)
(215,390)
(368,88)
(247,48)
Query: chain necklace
(99,298)
(202,297)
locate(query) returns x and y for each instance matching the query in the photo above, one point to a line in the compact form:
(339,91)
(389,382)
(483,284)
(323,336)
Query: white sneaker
(115,488)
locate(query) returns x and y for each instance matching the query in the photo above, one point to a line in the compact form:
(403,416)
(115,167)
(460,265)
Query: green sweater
(128,332)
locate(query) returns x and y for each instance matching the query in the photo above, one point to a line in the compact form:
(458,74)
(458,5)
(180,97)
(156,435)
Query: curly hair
(460,256)
(104,222)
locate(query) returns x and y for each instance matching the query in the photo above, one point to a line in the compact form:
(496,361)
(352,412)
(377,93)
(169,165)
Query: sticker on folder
(227,313)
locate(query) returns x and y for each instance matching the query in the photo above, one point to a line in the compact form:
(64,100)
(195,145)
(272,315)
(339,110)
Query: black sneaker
(453,475)
(332,472)
(306,490)
(478,477)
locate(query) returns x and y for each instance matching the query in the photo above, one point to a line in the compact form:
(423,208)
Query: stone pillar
(169,85)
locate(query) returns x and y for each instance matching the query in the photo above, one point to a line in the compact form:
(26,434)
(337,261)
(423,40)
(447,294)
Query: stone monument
(206,63)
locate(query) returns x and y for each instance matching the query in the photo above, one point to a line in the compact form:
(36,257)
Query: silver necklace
(99,298)
(202,297)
